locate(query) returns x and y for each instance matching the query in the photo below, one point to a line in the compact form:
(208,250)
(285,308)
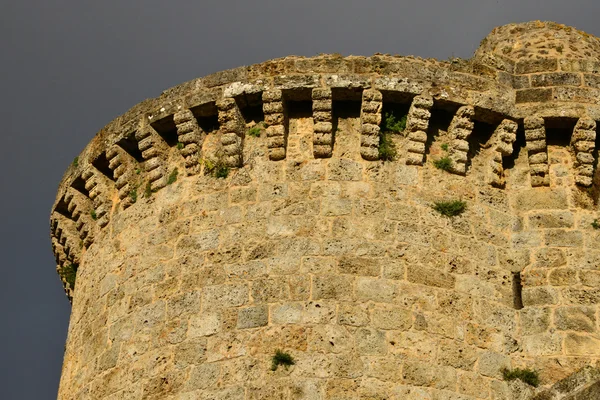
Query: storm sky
(69,67)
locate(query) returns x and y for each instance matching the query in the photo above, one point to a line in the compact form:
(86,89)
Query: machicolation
(426,263)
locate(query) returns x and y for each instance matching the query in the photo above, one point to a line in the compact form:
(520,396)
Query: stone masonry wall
(201,249)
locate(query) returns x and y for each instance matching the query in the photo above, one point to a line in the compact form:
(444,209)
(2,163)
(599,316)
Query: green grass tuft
(148,190)
(217,168)
(444,163)
(76,161)
(255,130)
(133,195)
(281,358)
(179,146)
(222,171)
(69,273)
(528,376)
(173,177)
(391,124)
(93,214)
(596,224)
(387,149)
(450,208)
(445,146)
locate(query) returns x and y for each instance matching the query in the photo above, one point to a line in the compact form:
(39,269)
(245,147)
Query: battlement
(255,205)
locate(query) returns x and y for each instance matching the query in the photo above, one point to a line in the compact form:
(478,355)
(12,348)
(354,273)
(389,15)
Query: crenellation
(584,144)
(68,237)
(504,136)
(459,131)
(372,104)
(323,122)
(345,262)
(274,111)
(535,135)
(192,137)
(123,169)
(417,123)
(80,208)
(233,131)
(99,189)
(154,152)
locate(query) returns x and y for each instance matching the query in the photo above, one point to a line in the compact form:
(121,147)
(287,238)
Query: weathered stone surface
(287,232)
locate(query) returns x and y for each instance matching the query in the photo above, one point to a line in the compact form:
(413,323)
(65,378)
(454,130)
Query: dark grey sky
(68,67)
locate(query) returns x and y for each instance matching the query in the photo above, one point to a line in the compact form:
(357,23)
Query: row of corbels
(583,141)
(153,148)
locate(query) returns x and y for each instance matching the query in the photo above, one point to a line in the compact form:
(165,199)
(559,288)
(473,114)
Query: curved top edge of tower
(542,68)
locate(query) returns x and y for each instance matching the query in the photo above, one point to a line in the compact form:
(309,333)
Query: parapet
(255,206)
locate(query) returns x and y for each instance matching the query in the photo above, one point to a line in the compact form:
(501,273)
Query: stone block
(562,277)
(586,296)
(582,319)
(353,314)
(542,344)
(391,317)
(491,364)
(563,238)
(536,65)
(252,317)
(534,320)
(360,266)
(582,345)
(332,287)
(556,79)
(541,199)
(332,206)
(428,374)
(538,95)
(549,258)
(539,296)
(430,277)
(457,355)
(221,296)
(286,313)
(330,339)
(377,290)
(473,385)
(344,170)
(557,219)
(370,341)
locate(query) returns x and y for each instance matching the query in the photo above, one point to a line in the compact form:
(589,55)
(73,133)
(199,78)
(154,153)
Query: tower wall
(249,212)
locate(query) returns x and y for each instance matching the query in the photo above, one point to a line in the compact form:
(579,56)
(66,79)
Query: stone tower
(286,206)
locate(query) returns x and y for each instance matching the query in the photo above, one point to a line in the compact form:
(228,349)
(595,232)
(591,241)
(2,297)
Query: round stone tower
(390,227)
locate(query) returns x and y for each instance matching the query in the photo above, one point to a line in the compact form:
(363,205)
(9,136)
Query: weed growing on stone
(450,208)
(387,149)
(596,224)
(444,163)
(255,130)
(138,171)
(76,161)
(93,214)
(172,177)
(179,145)
(69,272)
(281,358)
(133,195)
(221,171)
(148,190)
(445,146)
(391,124)
(217,168)
(528,376)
